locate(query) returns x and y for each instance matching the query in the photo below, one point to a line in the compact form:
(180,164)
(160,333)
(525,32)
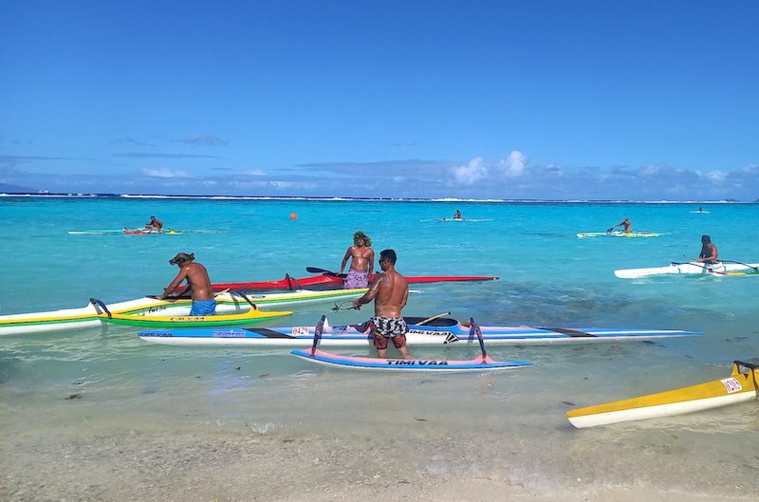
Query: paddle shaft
(329,273)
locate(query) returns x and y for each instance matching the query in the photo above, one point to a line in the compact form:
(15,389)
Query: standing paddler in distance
(624,223)
(362,262)
(389,290)
(709,252)
(198,284)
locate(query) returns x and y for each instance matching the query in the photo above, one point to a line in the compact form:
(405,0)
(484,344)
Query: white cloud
(716,176)
(165,173)
(514,166)
(471,173)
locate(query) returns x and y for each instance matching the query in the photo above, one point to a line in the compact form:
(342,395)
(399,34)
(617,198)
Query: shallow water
(65,396)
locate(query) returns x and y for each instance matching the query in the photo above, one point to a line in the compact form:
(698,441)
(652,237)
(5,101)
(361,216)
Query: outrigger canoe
(227,303)
(482,363)
(406,365)
(722,268)
(436,332)
(740,386)
(331,280)
(617,233)
(251,316)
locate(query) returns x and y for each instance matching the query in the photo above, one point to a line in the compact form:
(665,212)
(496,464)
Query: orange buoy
(293,216)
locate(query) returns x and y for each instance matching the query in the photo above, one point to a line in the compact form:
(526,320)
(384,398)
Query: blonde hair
(361,235)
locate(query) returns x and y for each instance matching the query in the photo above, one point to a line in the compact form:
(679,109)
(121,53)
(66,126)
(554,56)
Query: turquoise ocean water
(549,277)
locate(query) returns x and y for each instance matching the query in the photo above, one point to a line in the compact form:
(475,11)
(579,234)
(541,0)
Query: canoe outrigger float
(722,268)
(423,331)
(227,303)
(479,364)
(740,386)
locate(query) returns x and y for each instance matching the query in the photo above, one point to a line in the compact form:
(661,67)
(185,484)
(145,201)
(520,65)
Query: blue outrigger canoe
(435,332)
(482,363)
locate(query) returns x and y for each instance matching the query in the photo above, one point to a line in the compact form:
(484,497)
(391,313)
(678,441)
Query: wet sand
(241,462)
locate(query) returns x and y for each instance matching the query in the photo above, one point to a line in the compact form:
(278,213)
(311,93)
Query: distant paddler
(154,225)
(198,284)
(624,223)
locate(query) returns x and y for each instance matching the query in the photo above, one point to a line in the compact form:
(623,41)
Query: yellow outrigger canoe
(740,386)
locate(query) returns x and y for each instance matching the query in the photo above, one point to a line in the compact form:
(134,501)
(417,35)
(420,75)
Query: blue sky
(508,99)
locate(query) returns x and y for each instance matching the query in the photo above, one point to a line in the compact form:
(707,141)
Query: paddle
(318,334)
(436,316)
(324,271)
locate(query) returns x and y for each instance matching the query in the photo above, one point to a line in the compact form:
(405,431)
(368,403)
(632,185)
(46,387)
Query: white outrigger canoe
(719,269)
(227,303)
(617,233)
(740,386)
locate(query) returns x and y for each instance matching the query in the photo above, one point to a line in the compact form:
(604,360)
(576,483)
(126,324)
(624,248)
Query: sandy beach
(240,462)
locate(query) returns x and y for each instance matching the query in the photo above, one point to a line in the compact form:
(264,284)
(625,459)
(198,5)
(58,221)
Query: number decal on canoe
(732,385)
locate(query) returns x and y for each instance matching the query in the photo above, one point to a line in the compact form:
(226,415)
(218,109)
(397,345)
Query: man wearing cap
(198,284)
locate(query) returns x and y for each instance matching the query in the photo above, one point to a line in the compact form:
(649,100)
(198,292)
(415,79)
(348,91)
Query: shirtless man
(198,284)
(154,224)
(362,263)
(390,294)
(709,252)
(626,223)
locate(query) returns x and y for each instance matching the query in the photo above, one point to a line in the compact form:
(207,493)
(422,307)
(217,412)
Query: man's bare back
(199,284)
(391,294)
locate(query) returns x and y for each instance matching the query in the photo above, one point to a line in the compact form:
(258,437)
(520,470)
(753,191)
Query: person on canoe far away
(457,215)
(362,262)
(198,284)
(154,225)
(709,252)
(624,223)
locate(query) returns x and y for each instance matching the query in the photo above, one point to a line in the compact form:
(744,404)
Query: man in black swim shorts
(386,328)
(390,294)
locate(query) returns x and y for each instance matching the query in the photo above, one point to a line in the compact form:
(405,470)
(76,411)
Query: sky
(590,99)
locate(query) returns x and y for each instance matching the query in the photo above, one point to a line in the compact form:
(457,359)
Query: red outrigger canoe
(331,280)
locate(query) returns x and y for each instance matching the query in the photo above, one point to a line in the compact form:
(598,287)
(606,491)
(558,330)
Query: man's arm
(348,254)
(371,263)
(182,275)
(369,295)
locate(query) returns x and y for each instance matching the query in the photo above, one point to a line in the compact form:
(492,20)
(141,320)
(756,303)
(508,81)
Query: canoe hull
(585,235)
(738,387)
(86,317)
(331,282)
(246,318)
(407,365)
(691,268)
(439,332)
